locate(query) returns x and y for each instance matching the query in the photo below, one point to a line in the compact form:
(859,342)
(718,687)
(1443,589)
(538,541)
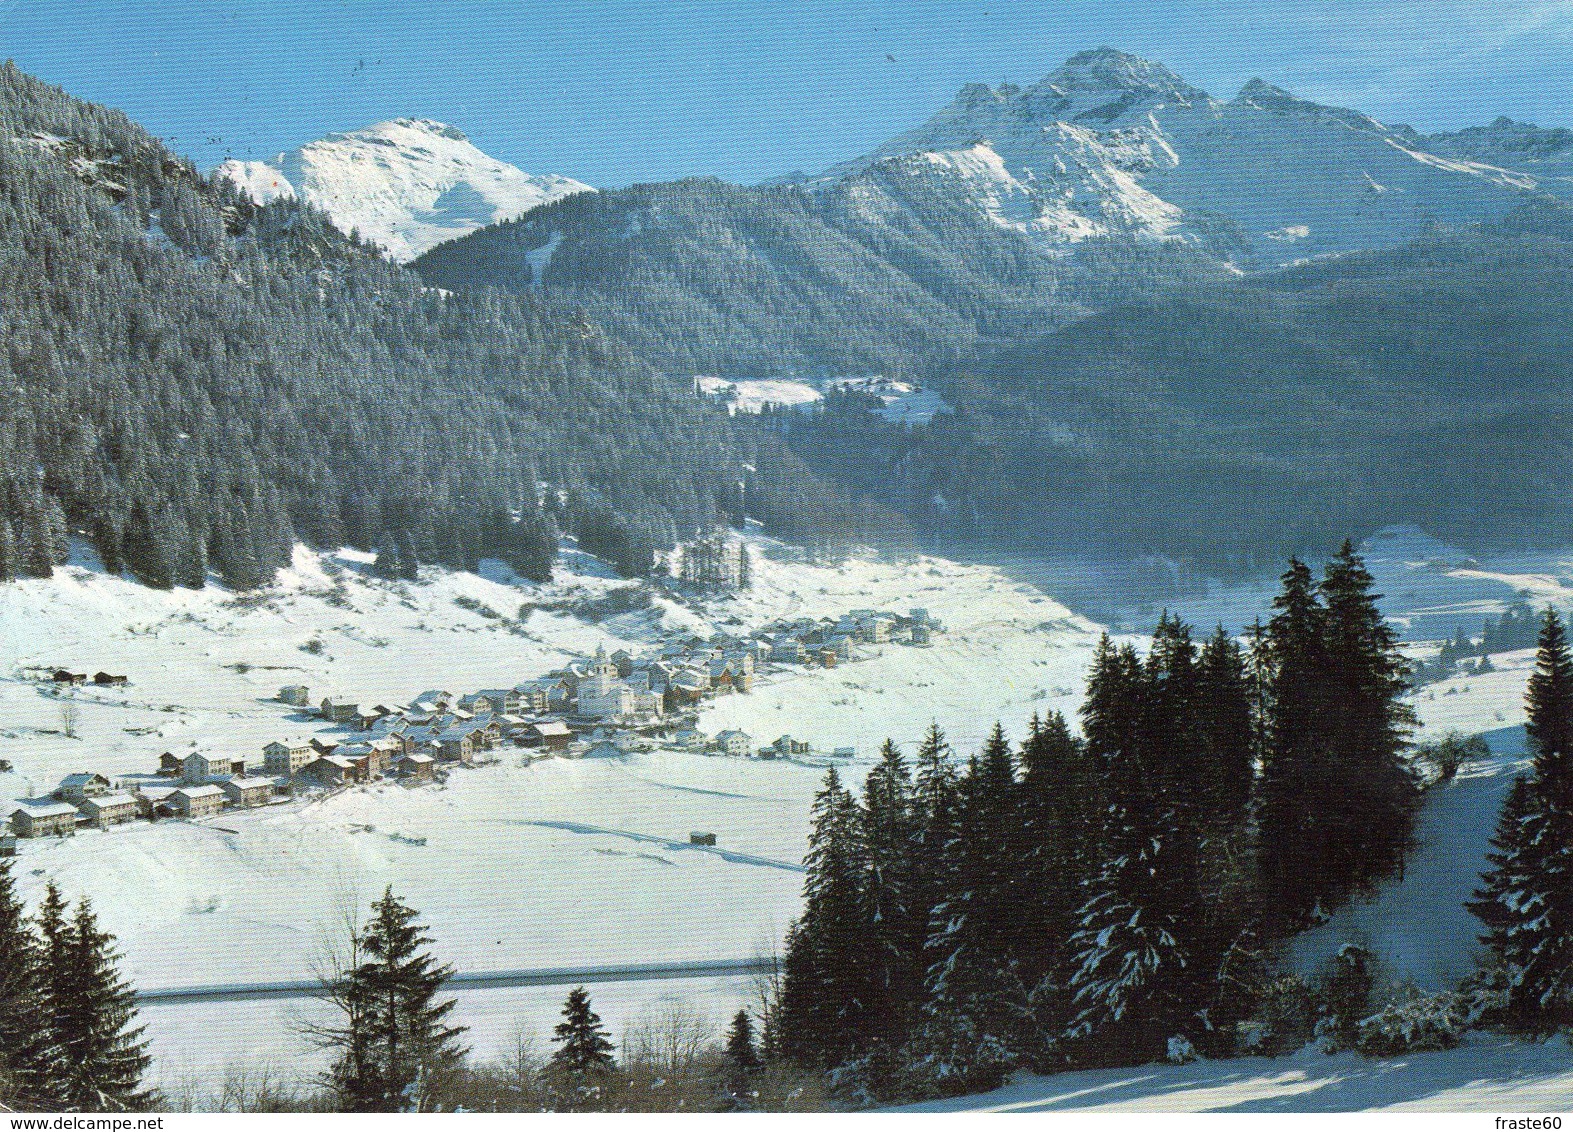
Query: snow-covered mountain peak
(1260,95)
(407,184)
(1113,145)
(1105,69)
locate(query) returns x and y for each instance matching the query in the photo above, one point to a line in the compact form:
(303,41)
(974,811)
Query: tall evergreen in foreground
(1337,798)
(1526,898)
(897,918)
(583,1048)
(1368,677)
(1061,813)
(399,1047)
(71,1042)
(976,1002)
(22,1040)
(828,982)
(103,1053)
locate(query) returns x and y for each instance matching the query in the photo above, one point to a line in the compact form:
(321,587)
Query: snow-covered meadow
(586,862)
(518,865)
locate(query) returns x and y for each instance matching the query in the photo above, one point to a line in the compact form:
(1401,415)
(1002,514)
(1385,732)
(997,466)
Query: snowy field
(586,862)
(557,863)
(1485,1074)
(900,402)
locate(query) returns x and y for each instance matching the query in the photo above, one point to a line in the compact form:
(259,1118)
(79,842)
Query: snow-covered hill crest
(406,185)
(1114,145)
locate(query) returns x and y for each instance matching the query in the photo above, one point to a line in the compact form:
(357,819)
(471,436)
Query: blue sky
(617,91)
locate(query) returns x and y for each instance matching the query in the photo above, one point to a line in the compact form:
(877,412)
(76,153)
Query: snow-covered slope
(1485,1074)
(1111,144)
(561,862)
(407,185)
(1544,154)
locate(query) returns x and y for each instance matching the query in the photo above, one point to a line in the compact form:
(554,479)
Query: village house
(105,810)
(109,680)
(456,744)
(421,768)
(76,788)
(733,742)
(7,845)
(337,709)
(196,801)
(367,761)
(334,770)
(153,801)
(689,687)
(170,764)
(920,633)
(786,745)
(498,701)
(245,793)
(44,819)
(286,757)
(66,676)
(296,695)
(199,766)
(552,734)
(689,739)
(787,650)
(323,746)
(435,700)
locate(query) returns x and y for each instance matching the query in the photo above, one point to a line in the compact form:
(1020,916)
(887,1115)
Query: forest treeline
(198,382)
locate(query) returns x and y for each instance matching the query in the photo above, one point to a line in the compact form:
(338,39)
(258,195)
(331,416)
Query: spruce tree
(404,1048)
(56,991)
(1061,815)
(824,1016)
(583,1047)
(897,925)
(22,1040)
(1370,800)
(741,1051)
(104,1055)
(1526,900)
(1298,782)
(977,1002)
(934,805)
(1226,730)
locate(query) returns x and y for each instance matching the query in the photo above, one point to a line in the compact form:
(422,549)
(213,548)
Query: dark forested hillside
(881,272)
(1230,423)
(199,381)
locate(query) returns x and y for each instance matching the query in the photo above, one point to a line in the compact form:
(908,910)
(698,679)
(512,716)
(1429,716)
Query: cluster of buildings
(600,705)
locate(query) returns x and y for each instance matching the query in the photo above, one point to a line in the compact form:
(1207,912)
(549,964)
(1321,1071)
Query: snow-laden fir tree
(1129,958)
(1368,677)
(22,1041)
(897,922)
(583,1047)
(1061,815)
(823,1017)
(399,1048)
(1526,899)
(92,1053)
(976,1011)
